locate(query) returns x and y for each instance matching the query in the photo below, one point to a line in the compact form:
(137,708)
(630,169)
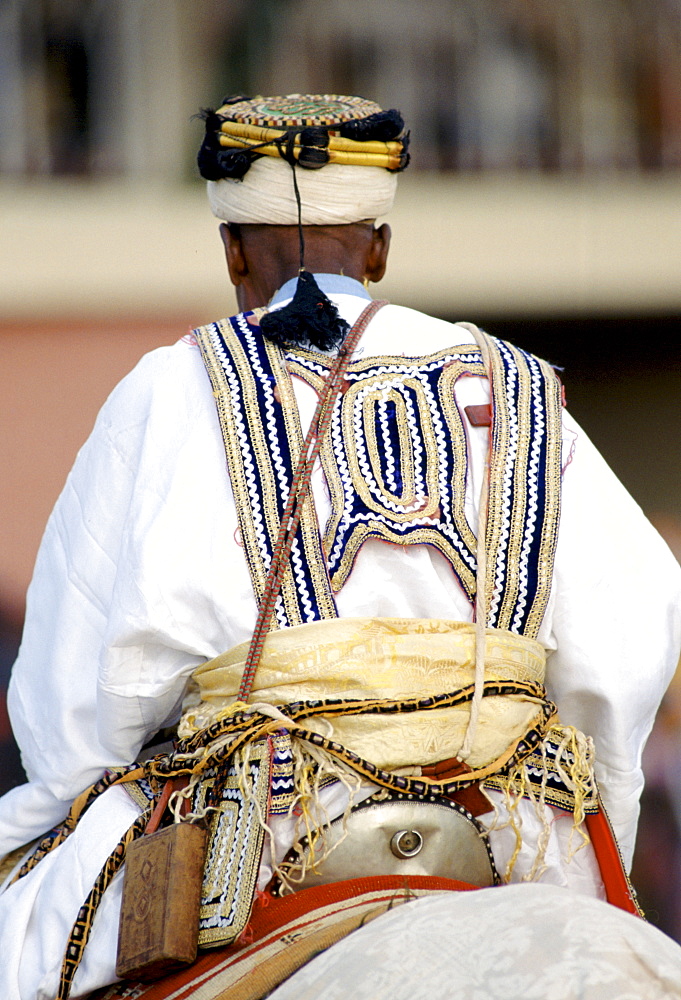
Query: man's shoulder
(162,364)
(447,327)
(404,330)
(162,385)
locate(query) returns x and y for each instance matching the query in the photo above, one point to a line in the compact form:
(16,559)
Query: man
(158,567)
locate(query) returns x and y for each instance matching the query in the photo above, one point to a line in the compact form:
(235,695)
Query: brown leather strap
(172,785)
(618,888)
(470,797)
(479,414)
(333,386)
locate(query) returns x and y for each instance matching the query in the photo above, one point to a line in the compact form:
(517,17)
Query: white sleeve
(616,625)
(106,652)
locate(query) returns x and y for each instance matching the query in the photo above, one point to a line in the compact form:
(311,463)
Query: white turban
(336,194)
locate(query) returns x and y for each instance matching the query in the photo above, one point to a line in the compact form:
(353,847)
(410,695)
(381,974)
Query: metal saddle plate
(402,837)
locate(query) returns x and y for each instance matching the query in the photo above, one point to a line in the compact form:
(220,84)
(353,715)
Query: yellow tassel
(574,765)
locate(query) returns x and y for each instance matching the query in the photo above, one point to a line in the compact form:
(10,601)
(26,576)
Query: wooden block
(479,414)
(159,923)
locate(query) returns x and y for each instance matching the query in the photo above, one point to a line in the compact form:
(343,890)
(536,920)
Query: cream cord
(481,574)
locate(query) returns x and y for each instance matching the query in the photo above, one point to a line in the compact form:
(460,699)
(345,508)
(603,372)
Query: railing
(571,86)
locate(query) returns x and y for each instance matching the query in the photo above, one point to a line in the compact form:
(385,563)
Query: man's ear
(234,252)
(378,253)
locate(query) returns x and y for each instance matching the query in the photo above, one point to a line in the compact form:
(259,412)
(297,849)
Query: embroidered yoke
(395,463)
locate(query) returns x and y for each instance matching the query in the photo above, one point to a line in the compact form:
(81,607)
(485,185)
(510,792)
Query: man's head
(298,182)
(261,258)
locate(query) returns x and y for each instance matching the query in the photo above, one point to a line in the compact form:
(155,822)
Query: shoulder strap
(248,374)
(519,505)
(299,490)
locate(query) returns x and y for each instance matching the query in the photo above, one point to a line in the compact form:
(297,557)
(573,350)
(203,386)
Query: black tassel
(309,320)
(212,120)
(384,126)
(313,148)
(234,163)
(314,137)
(215,163)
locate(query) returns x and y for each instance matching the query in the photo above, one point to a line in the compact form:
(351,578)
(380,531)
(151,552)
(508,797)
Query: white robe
(140,578)
(526,942)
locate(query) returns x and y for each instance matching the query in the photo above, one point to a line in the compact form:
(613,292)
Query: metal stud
(406,843)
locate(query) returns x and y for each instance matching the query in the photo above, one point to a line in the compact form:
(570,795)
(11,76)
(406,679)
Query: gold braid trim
(357,158)
(352,152)
(241,725)
(8,861)
(260,133)
(79,806)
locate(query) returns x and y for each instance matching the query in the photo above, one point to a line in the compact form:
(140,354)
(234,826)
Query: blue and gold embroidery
(396,463)
(524,488)
(261,431)
(395,458)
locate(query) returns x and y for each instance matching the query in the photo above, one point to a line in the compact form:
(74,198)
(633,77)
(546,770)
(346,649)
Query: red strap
(274,919)
(299,488)
(618,890)
(172,785)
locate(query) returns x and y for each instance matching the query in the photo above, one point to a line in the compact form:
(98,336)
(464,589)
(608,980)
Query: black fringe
(309,320)
(313,152)
(210,117)
(384,126)
(215,163)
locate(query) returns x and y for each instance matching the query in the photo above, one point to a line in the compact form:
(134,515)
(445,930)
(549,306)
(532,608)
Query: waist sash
(364,659)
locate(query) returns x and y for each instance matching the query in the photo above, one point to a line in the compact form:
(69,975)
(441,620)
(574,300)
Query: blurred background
(543,202)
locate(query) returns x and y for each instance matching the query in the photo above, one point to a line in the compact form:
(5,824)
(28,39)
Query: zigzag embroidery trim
(396,463)
(262,436)
(525,488)
(398,420)
(395,460)
(551,780)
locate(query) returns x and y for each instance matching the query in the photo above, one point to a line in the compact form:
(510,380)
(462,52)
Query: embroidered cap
(349,149)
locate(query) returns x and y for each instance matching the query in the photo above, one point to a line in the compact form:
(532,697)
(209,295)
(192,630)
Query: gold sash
(389,658)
